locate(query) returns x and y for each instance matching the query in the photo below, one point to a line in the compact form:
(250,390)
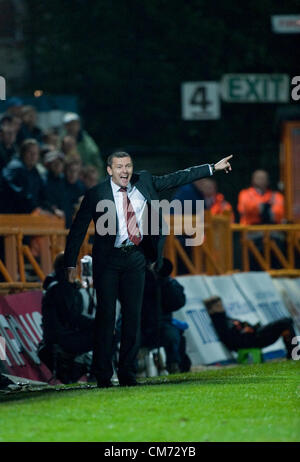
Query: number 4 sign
(200,101)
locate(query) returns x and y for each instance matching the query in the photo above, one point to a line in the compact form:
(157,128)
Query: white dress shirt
(138,202)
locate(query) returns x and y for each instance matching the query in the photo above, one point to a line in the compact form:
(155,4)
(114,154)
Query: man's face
(206,186)
(121,171)
(8,135)
(260,179)
(29,118)
(68,143)
(91,179)
(73,127)
(56,166)
(217,307)
(31,157)
(73,172)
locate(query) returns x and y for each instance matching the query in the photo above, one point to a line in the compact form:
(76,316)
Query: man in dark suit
(119,256)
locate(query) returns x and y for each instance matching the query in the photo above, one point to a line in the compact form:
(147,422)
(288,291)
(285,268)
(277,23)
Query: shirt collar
(116,187)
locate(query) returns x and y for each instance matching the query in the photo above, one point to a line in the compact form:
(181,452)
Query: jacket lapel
(135,181)
(107,190)
(105,193)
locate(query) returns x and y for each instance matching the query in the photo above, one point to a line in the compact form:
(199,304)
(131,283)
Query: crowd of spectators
(49,172)
(45,172)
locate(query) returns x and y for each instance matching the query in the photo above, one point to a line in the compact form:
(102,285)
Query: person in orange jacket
(259,204)
(214,201)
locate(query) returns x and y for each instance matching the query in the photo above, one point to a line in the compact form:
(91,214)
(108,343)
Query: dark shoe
(105,384)
(173,368)
(128,383)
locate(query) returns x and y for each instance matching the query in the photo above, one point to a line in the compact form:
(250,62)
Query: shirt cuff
(210,169)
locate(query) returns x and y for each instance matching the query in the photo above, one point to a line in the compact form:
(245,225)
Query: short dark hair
(118,154)
(59,262)
(6,119)
(210,302)
(26,145)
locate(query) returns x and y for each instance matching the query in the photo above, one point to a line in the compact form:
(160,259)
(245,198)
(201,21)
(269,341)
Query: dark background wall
(126,61)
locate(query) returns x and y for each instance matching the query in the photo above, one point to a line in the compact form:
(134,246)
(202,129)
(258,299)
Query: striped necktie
(130,217)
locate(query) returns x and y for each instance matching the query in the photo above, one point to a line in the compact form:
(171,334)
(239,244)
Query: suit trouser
(123,277)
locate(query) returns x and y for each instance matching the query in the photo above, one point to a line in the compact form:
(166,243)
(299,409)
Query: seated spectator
(13,121)
(8,148)
(23,189)
(236,334)
(259,204)
(204,190)
(74,187)
(28,128)
(55,185)
(213,200)
(14,107)
(191,192)
(89,176)
(69,147)
(67,332)
(45,148)
(50,137)
(86,146)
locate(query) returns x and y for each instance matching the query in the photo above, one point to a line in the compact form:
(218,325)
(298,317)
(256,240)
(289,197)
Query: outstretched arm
(182,177)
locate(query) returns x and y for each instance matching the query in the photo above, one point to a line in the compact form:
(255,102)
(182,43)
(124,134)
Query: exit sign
(255,88)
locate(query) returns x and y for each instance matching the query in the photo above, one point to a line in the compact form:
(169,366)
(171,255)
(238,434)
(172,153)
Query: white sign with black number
(200,101)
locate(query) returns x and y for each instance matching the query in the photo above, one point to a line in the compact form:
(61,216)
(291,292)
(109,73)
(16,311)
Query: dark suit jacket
(149,186)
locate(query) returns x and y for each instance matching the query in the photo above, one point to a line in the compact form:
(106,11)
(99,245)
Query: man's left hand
(224,164)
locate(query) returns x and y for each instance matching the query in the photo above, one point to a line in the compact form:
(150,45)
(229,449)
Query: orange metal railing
(214,256)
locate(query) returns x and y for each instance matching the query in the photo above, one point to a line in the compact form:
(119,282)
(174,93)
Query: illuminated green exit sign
(255,88)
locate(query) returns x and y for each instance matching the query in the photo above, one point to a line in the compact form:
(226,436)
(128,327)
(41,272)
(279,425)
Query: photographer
(67,333)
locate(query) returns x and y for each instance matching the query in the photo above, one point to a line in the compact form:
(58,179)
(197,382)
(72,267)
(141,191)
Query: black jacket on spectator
(56,191)
(162,296)
(73,191)
(25,133)
(6,154)
(22,190)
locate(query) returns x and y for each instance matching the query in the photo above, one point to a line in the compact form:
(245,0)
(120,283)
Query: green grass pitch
(244,403)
